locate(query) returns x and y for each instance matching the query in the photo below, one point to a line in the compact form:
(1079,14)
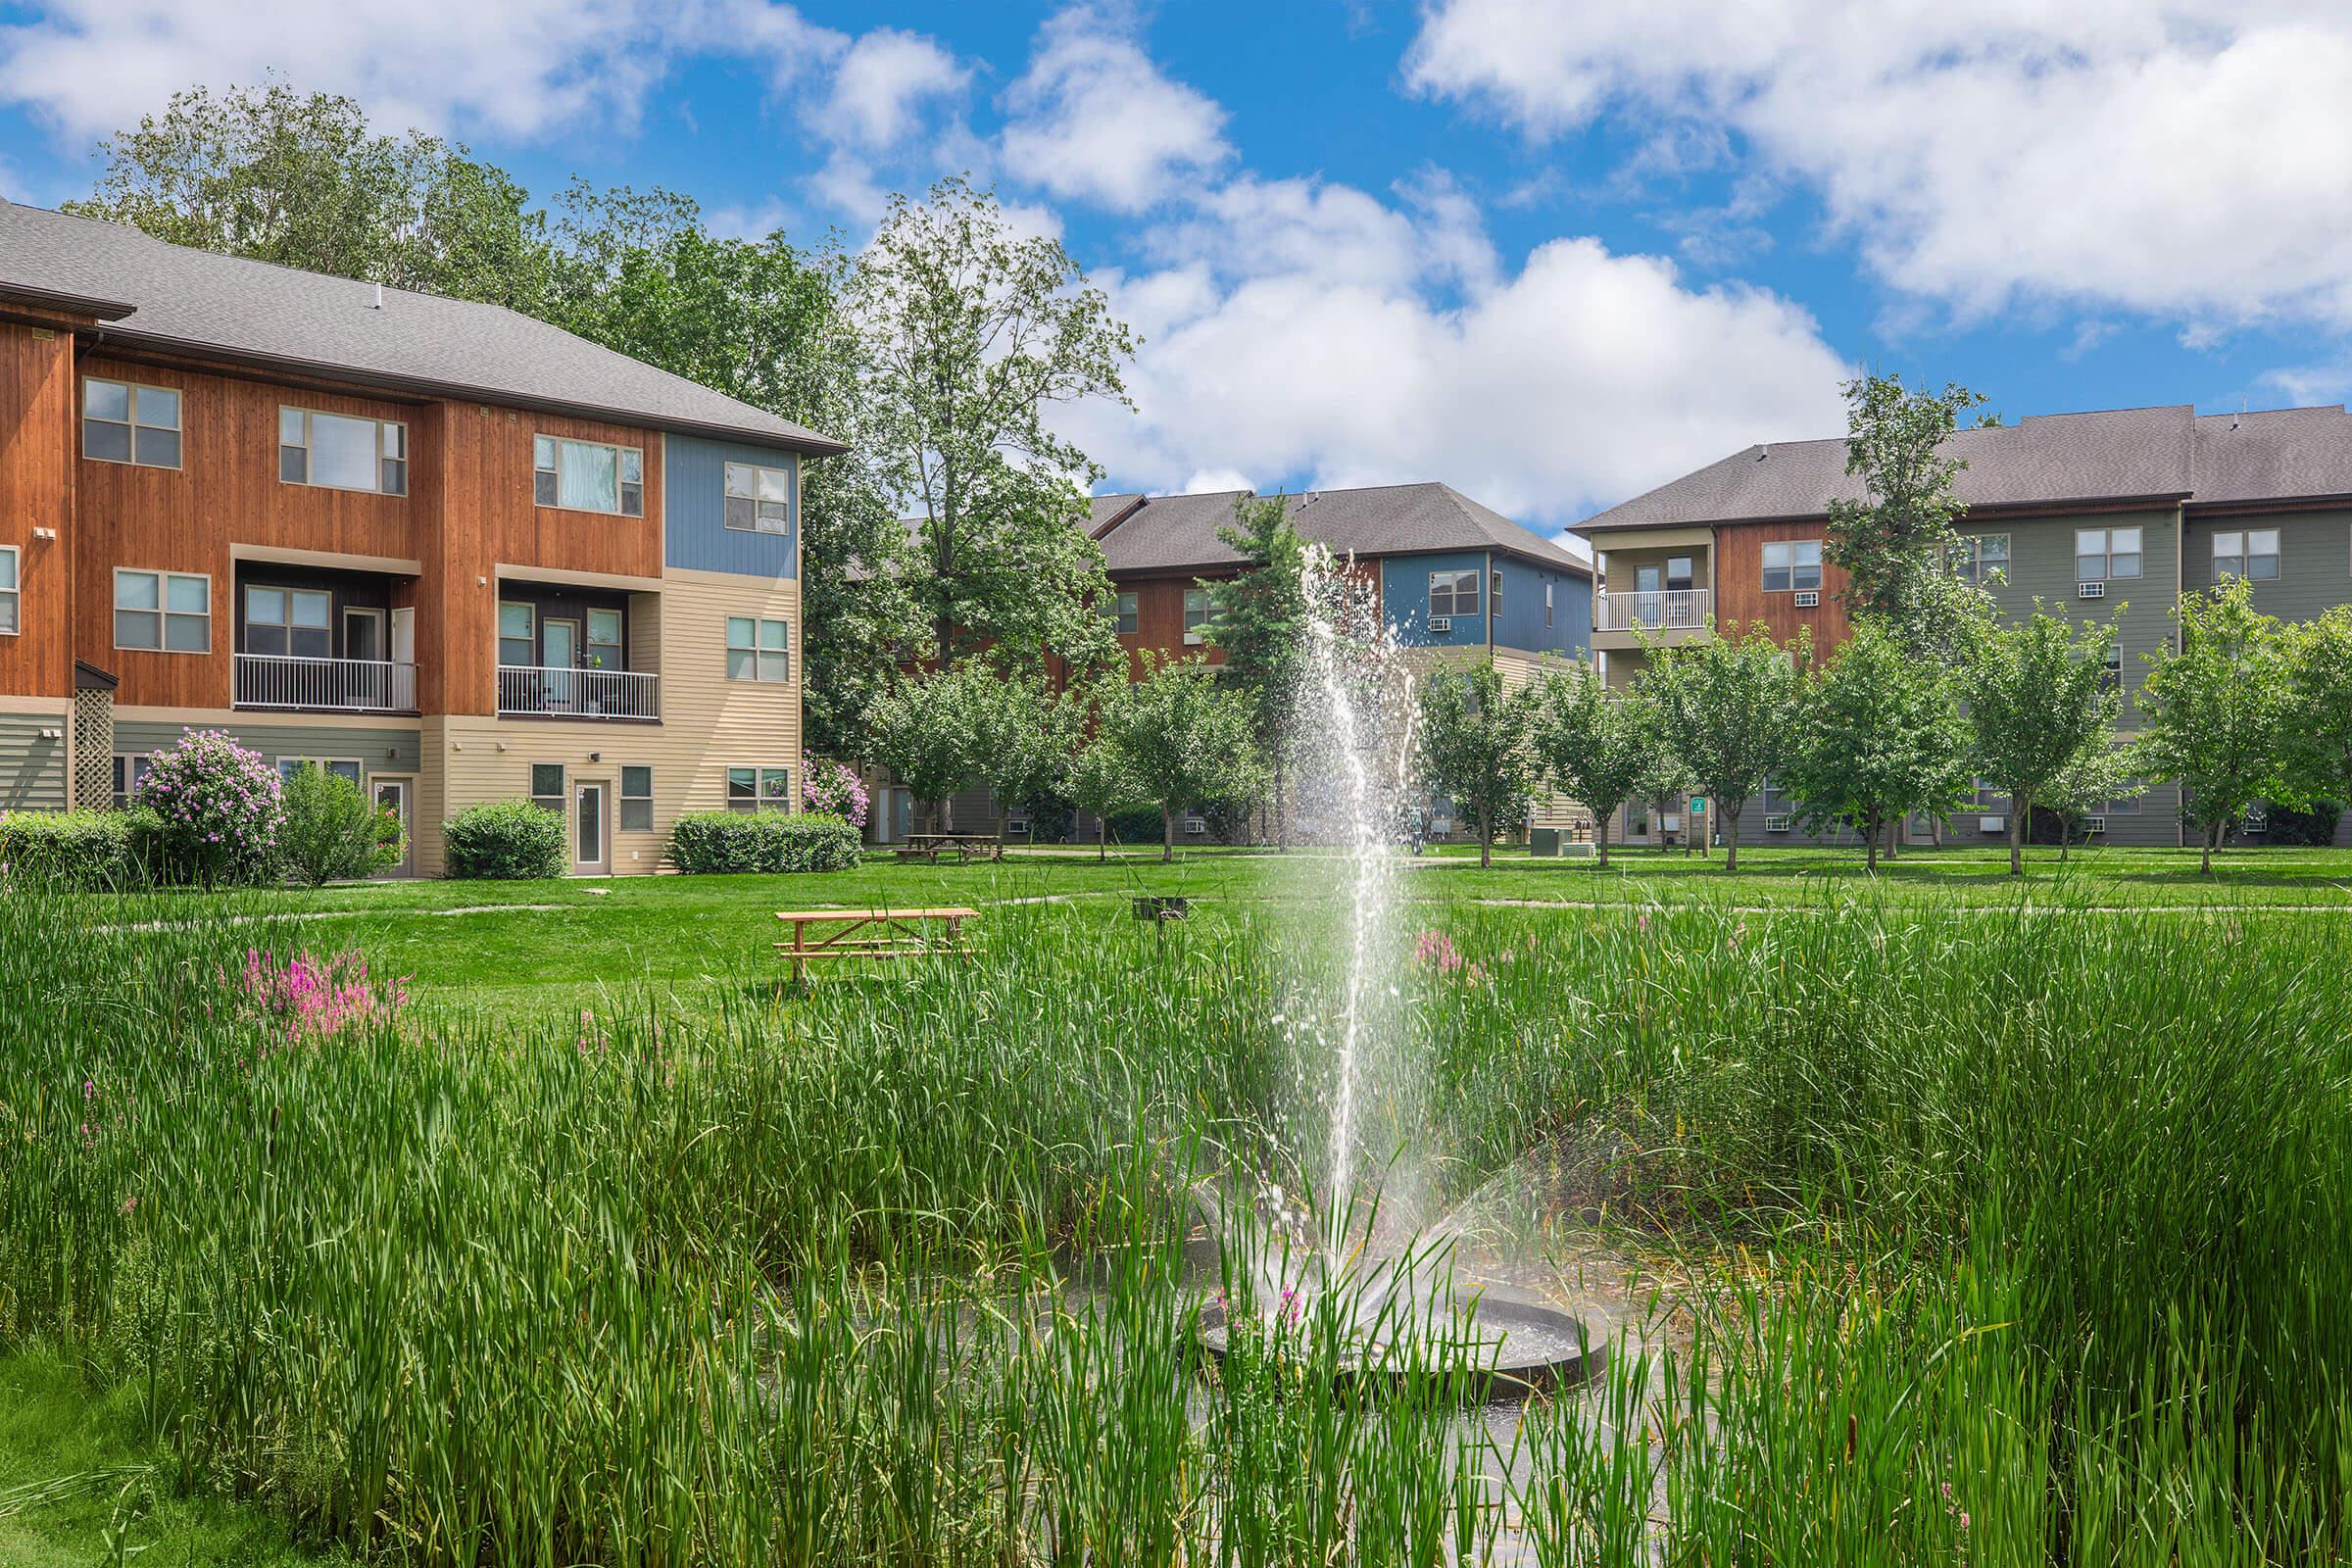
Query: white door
(590,854)
(392,795)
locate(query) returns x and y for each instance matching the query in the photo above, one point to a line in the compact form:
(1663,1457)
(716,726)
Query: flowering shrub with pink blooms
(1434,950)
(312,999)
(834,787)
(221,808)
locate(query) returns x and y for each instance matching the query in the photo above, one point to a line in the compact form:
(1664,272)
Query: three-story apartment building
(448,550)
(2113,514)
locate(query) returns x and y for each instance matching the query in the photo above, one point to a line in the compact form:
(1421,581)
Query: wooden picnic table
(928,846)
(871,934)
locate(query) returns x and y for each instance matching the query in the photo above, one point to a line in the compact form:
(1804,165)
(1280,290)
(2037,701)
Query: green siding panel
(378,751)
(33,761)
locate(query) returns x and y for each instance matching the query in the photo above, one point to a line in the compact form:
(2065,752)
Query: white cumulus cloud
(1094,118)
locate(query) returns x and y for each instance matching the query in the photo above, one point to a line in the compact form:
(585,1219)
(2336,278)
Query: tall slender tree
(1257,618)
(1599,746)
(1896,542)
(1730,707)
(2319,694)
(1475,750)
(2038,697)
(2214,712)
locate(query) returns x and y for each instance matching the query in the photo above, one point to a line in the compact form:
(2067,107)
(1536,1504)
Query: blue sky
(1553,253)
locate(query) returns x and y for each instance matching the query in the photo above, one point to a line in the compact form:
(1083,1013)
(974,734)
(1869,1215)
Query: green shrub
(85,849)
(723,842)
(2315,828)
(332,830)
(506,840)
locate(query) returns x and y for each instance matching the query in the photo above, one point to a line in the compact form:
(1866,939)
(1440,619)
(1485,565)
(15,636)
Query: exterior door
(559,651)
(363,639)
(403,654)
(590,854)
(392,795)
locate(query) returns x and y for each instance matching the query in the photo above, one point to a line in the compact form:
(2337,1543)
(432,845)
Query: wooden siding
(1741,601)
(1160,621)
(37,491)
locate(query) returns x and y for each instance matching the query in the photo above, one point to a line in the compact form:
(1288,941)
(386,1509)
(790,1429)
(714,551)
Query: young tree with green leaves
(2214,712)
(1896,543)
(1599,746)
(2038,698)
(1259,618)
(1101,780)
(1022,735)
(1184,738)
(925,728)
(972,333)
(1729,707)
(2320,688)
(1474,734)
(2101,773)
(1880,738)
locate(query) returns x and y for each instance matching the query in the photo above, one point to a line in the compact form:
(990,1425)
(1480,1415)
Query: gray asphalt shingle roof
(2208,460)
(1179,533)
(197,301)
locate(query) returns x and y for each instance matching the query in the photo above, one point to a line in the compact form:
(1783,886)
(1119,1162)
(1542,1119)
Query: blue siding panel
(1404,589)
(1404,592)
(695,530)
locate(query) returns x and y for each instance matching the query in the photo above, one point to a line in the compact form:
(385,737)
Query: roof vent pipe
(1764,451)
(379,298)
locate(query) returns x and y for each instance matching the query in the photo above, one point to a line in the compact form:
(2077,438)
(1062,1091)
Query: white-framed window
(124,422)
(547,786)
(344,767)
(1680,571)
(293,621)
(1792,566)
(2248,552)
(636,799)
(1979,557)
(602,651)
(2126,805)
(1453,593)
(758,500)
(587,475)
(1548,607)
(1989,797)
(342,451)
(759,789)
(163,612)
(1125,615)
(12,619)
(518,633)
(130,772)
(1494,593)
(1195,617)
(759,650)
(2111,675)
(2104,552)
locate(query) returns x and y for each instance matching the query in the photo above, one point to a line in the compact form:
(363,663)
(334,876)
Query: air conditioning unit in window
(1779,824)
(1808,597)
(1440,626)
(1194,824)
(1992,824)
(2091,590)
(2095,824)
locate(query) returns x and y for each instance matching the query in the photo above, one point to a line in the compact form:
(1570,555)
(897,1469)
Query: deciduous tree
(1474,736)
(1729,707)
(2038,698)
(2214,712)
(2320,687)
(1259,618)
(925,728)
(2095,776)
(1880,738)
(1599,746)
(1099,776)
(1896,543)
(1185,741)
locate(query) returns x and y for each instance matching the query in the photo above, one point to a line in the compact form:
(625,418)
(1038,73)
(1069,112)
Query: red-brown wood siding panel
(1739,597)
(37,491)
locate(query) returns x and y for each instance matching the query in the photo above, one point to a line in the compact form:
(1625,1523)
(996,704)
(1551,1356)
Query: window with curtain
(588,475)
(1453,593)
(342,452)
(759,789)
(2103,553)
(1792,565)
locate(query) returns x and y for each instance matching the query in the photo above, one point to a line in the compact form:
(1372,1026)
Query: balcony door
(560,650)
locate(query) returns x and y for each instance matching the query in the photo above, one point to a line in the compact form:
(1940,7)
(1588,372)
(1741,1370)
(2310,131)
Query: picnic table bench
(871,934)
(929,846)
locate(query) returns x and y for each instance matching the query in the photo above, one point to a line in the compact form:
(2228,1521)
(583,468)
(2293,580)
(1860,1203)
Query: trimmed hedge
(711,843)
(505,841)
(86,849)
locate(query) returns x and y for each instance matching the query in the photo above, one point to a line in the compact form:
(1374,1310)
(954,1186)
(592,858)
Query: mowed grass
(2005,1229)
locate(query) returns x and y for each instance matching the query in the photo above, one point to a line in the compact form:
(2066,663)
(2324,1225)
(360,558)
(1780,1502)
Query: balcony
(556,691)
(1666,610)
(326,685)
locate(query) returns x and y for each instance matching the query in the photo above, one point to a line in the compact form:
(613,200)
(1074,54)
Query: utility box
(1544,841)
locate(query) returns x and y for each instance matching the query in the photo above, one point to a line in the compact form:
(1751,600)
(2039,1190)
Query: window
(170,612)
(1791,565)
(1195,617)
(11,617)
(121,422)
(587,475)
(518,634)
(759,789)
(1123,616)
(1776,801)
(1494,601)
(2111,678)
(1453,593)
(604,640)
(2252,554)
(2126,804)
(341,452)
(759,499)
(759,650)
(1976,558)
(1989,797)
(1548,607)
(1679,569)
(130,772)
(2103,553)
(341,767)
(636,800)
(288,621)
(546,785)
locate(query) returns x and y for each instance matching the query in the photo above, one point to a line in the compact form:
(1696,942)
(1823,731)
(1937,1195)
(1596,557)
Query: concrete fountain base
(1508,1349)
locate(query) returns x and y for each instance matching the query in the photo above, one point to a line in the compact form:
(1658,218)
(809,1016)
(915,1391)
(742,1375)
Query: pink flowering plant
(834,787)
(222,807)
(308,998)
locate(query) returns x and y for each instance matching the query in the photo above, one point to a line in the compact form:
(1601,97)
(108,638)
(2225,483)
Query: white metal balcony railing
(1670,609)
(339,685)
(578,693)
